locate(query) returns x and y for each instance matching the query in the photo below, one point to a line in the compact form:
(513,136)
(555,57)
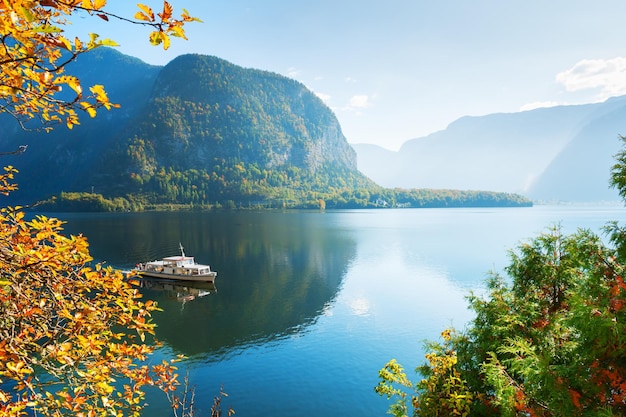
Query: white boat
(181,268)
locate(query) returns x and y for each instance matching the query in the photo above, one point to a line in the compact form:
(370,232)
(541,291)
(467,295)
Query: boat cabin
(178,265)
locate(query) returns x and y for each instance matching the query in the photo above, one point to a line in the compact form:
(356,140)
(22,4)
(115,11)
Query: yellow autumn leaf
(109,42)
(27,14)
(141,16)
(166,41)
(17,367)
(177,31)
(99,4)
(72,82)
(104,387)
(65,42)
(88,107)
(101,95)
(155,38)
(147,11)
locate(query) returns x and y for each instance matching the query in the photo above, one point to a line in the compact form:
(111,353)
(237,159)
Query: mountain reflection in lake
(308,306)
(276,273)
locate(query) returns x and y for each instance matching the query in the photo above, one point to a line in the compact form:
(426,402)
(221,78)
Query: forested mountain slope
(213,131)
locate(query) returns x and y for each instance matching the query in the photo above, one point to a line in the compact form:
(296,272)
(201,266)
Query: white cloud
(607,75)
(350,80)
(603,78)
(293,72)
(538,105)
(360,101)
(355,104)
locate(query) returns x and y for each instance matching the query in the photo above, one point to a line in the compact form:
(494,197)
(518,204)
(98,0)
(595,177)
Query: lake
(308,306)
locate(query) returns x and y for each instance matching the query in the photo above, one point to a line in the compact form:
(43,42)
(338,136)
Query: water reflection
(277,272)
(312,305)
(182,292)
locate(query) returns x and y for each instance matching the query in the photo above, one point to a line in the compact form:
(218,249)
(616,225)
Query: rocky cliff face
(205,110)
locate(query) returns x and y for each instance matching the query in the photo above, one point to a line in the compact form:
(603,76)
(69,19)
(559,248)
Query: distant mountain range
(202,132)
(562,153)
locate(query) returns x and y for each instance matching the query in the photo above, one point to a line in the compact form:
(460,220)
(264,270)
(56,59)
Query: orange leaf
(167,11)
(575,395)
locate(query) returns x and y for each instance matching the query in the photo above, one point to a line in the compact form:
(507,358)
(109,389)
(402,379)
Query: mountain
(560,153)
(210,114)
(202,132)
(199,130)
(56,161)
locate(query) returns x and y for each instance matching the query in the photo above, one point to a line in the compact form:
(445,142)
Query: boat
(180,268)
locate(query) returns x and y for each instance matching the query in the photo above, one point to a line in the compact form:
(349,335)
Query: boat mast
(182,250)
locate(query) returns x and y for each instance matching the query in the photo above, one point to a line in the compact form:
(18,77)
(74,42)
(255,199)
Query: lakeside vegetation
(359,199)
(547,337)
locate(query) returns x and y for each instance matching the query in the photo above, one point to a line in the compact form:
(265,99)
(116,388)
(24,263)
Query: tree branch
(20,150)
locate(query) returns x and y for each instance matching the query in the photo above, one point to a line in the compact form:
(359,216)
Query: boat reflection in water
(180,291)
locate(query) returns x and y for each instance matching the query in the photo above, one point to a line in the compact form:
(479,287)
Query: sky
(395,70)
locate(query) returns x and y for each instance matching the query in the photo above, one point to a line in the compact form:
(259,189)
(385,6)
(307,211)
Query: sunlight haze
(401,69)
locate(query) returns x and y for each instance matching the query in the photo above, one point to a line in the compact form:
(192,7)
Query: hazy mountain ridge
(203,132)
(558,153)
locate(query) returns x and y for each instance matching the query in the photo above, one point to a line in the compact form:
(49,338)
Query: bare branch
(20,150)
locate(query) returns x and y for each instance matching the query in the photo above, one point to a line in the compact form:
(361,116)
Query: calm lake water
(308,306)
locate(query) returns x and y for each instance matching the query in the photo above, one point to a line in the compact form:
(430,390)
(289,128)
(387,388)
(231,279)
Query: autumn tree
(34,53)
(73,334)
(547,338)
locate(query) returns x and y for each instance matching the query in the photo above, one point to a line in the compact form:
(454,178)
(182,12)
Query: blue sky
(395,70)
